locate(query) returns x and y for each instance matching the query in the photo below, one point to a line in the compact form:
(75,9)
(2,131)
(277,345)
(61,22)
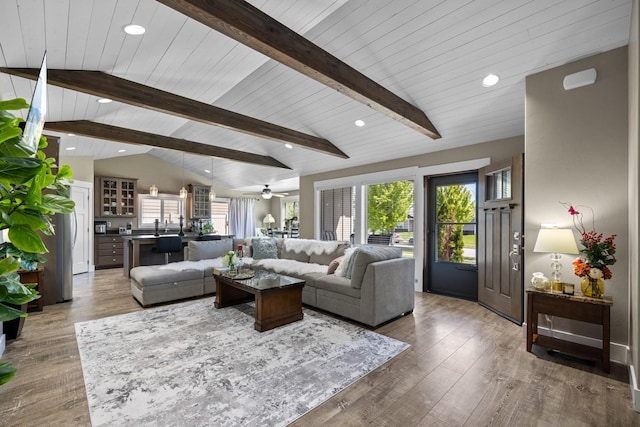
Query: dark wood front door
(500,220)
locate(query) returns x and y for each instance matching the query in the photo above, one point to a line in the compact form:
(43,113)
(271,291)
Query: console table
(574,307)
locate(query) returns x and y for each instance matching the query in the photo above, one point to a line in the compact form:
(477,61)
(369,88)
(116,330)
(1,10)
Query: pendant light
(183,191)
(153,191)
(212,193)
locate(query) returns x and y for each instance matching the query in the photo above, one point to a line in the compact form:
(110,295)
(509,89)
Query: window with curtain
(337,213)
(242,218)
(166,208)
(220,216)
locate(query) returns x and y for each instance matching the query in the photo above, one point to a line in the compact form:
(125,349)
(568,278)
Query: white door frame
(90,232)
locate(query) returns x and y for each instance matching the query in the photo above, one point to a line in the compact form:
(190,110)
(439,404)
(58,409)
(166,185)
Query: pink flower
(572,211)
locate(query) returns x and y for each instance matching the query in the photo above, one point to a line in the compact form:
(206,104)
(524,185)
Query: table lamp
(556,241)
(269,220)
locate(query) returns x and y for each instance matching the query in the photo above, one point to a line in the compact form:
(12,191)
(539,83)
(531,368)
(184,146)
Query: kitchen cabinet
(200,205)
(109,251)
(116,197)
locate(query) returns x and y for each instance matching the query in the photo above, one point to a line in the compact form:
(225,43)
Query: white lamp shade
(269,219)
(556,240)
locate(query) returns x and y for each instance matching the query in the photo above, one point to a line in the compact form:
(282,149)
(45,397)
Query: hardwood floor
(466,367)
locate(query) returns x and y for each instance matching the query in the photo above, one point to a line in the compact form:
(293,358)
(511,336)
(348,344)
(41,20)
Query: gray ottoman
(153,285)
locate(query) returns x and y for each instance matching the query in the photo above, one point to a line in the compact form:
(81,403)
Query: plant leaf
(14,104)
(7,371)
(25,239)
(8,313)
(59,204)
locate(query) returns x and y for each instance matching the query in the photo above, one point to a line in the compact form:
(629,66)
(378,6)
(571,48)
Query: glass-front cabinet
(200,206)
(116,197)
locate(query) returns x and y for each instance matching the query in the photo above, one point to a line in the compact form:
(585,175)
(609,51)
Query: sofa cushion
(264,248)
(337,284)
(289,267)
(363,256)
(329,254)
(152,276)
(208,249)
(293,255)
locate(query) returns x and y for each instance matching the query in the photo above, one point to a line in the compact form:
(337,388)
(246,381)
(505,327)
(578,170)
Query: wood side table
(574,307)
(35,276)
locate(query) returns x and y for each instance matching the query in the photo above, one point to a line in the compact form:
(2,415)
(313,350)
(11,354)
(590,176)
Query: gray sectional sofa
(371,284)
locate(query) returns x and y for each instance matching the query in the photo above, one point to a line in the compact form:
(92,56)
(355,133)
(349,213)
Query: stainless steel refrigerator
(66,233)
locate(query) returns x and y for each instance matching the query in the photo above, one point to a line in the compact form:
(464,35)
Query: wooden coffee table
(278,298)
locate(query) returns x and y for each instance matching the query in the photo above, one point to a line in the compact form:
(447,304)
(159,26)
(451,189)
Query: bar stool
(168,245)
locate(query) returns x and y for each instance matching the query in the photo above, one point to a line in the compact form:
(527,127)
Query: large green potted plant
(31,191)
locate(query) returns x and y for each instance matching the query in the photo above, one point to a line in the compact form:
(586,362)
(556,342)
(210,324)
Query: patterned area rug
(192,364)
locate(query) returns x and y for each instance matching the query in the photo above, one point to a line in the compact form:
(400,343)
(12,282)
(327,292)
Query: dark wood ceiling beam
(105,85)
(250,26)
(118,134)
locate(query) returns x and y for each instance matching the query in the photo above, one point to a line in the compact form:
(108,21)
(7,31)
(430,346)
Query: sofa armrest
(387,291)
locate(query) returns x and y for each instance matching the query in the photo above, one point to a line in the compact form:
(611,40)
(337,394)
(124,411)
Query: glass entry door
(452,267)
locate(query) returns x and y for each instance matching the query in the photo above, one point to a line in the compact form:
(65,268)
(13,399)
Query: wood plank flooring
(466,367)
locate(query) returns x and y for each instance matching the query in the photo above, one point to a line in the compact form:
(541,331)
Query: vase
(593,288)
(232,270)
(539,282)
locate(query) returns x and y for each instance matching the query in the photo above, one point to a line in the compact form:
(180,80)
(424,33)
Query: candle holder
(181,233)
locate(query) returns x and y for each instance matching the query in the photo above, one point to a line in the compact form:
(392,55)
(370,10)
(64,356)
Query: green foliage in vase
(31,191)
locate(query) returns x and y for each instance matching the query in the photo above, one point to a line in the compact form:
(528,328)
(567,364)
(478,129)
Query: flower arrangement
(230,259)
(598,252)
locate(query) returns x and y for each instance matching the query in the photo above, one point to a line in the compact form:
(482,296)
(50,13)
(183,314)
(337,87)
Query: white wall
(576,151)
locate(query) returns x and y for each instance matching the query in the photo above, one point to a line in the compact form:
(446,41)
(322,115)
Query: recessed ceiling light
(134,29)
(70,148)
(490,80)
(207,171)
(359,123)
(104,100)
(122,150)
(289,146)
(71,134)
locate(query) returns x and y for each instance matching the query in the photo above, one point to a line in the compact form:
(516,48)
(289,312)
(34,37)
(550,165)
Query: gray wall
(576,151)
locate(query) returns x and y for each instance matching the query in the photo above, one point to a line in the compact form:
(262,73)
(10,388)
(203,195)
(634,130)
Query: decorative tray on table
(245,274)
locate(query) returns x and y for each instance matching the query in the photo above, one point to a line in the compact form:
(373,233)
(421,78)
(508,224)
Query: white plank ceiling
(432,53)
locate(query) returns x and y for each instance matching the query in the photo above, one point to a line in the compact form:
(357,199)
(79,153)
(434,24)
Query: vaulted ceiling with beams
(240,97)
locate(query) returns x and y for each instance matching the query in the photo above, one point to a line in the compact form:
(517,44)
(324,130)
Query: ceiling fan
(267,193)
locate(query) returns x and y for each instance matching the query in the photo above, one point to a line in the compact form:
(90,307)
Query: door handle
(514,255)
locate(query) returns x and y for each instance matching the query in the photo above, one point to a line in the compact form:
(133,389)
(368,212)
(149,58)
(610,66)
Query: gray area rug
(190,364)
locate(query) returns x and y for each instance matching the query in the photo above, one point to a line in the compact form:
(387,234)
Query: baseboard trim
(635,392)
(619,352)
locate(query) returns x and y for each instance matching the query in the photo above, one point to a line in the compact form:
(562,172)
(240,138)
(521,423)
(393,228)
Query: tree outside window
(456,209)
(389,204)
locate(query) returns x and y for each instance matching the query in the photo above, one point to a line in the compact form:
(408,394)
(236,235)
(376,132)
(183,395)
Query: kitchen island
(140,249)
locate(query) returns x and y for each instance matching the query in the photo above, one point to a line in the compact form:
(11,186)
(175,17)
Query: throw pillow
(333,265)
(264,248)
(342,268)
